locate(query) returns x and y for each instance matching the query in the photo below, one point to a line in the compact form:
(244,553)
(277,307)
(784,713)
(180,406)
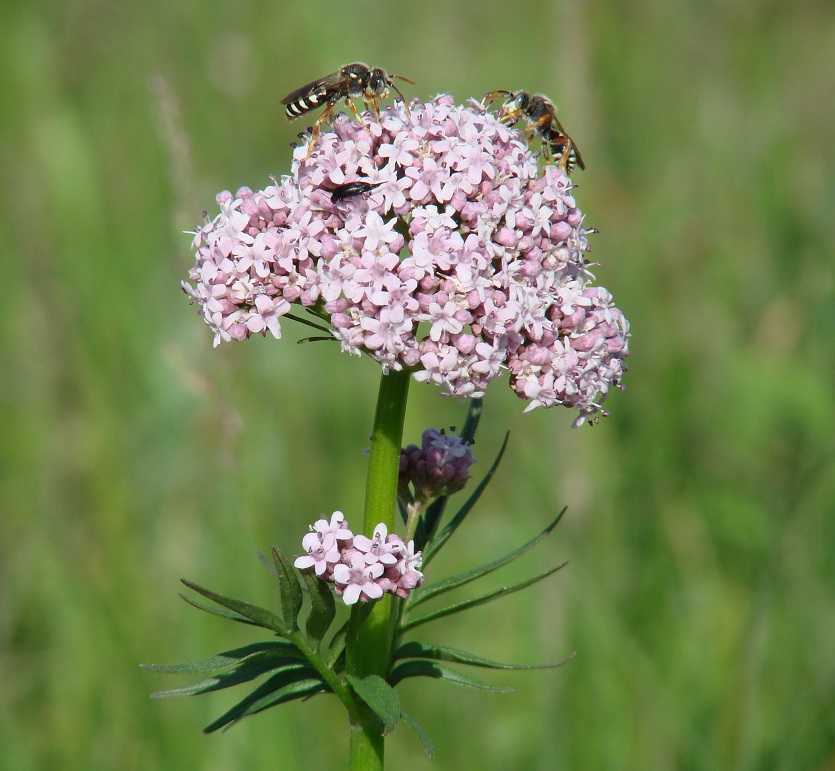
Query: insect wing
(578,159)
(335,79)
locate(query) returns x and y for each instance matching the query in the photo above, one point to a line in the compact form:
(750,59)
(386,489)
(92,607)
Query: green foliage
(322,608)
(421,734)
(287,685)
(297,668)
(250,613)
(260,651)
(436,588)
(502,591)
(132,453)
(432,546)
(439,671)
(441,653)
(291,592)
(280,668)
(380,696)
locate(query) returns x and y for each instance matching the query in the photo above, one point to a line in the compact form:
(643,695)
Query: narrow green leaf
(336,648)
(267,563)
(322,608)
(416,668)
(471,423)
(223,660)
(317,339)
(337,661)
(429,521)
(303,689)
(502,591)
(433,547)
(228,614)
(289,590)
(380,696)
(276,690)
(258,616)
(337,644)
(453,582)
(419,650)
(308,323)
(249,670)
(421,734)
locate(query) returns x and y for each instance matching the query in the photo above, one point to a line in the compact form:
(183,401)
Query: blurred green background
(699,597)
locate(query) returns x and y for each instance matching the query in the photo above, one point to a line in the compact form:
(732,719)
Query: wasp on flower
(352,81)
(468,263)
(541,116)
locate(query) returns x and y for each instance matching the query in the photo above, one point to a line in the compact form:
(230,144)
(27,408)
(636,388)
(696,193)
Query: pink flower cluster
(440,466)
(361,568)
(457,257)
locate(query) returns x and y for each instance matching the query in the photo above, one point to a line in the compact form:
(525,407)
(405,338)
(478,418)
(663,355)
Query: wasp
(541,115)
(352,81)
(350,189)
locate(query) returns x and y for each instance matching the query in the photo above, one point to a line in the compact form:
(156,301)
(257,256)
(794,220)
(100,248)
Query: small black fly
(350,189)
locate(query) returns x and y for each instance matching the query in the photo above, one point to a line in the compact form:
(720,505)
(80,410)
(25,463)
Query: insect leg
(353,109)
(510,116)
(403,99)
(314,134)
(561,143)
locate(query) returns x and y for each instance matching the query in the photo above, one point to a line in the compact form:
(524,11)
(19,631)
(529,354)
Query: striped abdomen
(307,102)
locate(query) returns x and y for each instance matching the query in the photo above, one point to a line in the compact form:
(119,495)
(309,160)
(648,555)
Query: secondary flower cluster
(361,568)
(440,466)
(456,256)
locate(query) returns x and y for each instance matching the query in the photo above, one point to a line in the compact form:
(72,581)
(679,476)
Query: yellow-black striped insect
(541,115)
(352,81)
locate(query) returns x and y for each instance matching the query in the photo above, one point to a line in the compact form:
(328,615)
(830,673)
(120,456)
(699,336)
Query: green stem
(384,459)
(413,510)
(369,642)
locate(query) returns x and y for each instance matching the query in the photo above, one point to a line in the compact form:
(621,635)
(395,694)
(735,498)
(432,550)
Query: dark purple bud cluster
(440,466)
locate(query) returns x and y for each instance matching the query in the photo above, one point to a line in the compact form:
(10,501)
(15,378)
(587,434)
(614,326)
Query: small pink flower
(466,262)
(321,555)
(337,527)
(358,579)
(361,568)
(380,548)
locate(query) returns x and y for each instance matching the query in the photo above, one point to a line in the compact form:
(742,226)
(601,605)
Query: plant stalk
(369,642)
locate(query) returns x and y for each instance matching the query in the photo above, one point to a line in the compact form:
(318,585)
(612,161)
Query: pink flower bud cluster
(440,466)
(458,258)
(361,568)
